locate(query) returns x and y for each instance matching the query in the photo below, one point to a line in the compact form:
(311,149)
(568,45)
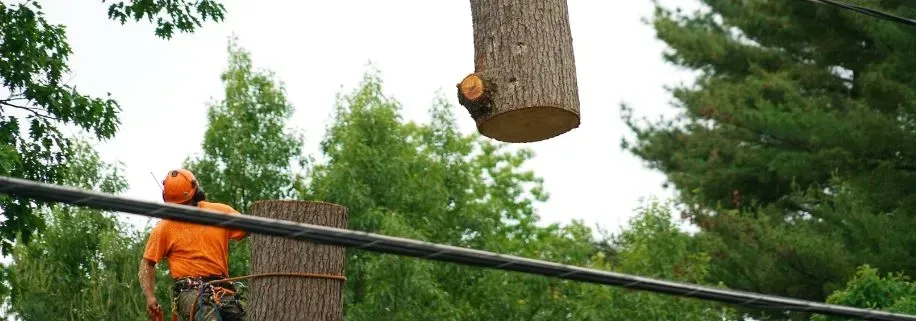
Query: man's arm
(148,278)
(148,283)
(239,234)
(157,247)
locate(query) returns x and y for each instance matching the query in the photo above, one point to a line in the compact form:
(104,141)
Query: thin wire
(871,12)
(161,189)
(424,250)
(158,185)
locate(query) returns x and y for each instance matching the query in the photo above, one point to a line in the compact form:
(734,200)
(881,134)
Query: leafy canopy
(37,102)
(84,266)
(430,182)
(867,289)
(248,154)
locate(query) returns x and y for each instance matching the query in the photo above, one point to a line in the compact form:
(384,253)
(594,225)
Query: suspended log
(524,86)
(288,298)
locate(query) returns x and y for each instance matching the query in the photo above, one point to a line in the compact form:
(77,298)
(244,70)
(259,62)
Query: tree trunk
(282,298)
(524,86)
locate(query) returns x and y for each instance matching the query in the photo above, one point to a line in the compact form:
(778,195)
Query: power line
(423,250)
(871,12)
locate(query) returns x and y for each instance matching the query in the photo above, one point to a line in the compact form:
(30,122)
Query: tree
(84,266)
(247,153)
(795,147)
(36,98)
(184,15)
(868,290)
(428,181)
(395,182)
(654,246)
(459,190)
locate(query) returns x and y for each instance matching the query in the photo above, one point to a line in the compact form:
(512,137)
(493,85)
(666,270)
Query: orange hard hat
(179,186)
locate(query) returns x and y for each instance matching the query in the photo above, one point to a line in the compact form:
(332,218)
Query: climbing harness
(217,293)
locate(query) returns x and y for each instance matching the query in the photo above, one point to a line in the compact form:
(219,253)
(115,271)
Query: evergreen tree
(795,148)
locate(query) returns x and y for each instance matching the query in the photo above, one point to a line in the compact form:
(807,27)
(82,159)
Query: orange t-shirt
(193,249)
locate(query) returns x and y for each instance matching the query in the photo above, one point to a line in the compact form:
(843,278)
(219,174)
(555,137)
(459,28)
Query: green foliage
(36,100)
(182,14)
(248,154)
(653,246)
(84,266)
(794,151)
(892,293)
(394,181)
(429,182)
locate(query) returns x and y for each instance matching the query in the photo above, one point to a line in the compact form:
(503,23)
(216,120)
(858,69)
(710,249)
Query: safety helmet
(179,186)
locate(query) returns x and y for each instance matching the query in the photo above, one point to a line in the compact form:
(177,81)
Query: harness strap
(175,308)
(301,275)
(189,283)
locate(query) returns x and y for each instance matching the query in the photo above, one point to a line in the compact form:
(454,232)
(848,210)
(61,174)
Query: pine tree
(795,149)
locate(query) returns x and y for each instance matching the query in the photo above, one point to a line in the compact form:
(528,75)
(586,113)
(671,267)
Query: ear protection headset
(199,194)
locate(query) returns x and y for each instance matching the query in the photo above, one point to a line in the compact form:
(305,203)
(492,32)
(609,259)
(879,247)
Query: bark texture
(524,54)
(286,298)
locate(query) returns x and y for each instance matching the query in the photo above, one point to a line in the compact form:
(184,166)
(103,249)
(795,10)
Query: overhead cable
(867,11)
(424,250)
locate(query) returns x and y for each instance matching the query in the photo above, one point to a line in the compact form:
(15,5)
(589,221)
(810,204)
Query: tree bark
(524,86)
(282,298)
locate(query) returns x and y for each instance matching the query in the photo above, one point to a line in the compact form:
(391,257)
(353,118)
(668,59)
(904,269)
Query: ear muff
(199,194)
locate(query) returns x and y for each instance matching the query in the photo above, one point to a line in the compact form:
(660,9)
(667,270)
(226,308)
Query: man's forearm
(148,278)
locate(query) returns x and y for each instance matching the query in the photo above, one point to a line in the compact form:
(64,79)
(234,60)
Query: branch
(30,110)
(786,142)
(14,97)
(799,266)
(800,145)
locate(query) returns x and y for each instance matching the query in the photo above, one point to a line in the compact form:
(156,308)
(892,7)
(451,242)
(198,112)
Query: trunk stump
(288,298)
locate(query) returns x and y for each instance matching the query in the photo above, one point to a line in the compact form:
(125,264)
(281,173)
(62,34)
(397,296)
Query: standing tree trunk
(524,86)
(285,298)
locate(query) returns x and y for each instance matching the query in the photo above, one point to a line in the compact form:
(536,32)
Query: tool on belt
(215,288)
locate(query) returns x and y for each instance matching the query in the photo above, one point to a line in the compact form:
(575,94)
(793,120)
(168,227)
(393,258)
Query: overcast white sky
(319,47)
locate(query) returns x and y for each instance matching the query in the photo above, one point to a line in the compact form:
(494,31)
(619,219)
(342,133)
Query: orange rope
(306,275)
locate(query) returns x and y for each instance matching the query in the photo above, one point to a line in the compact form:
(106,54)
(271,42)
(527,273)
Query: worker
(196,253)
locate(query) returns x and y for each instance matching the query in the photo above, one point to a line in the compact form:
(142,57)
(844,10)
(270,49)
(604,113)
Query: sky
(320,48)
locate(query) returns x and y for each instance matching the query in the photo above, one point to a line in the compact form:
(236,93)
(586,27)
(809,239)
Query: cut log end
(528,125)
(474,94)
(471,87)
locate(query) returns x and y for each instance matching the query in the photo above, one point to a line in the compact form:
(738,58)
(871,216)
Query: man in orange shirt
(196,253)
